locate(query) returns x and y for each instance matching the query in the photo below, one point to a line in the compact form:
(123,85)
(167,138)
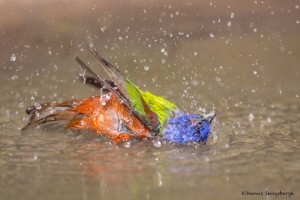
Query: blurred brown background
(239,58)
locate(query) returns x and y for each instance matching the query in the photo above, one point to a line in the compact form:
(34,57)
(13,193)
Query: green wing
(135,98)
(152,110)
(163,108)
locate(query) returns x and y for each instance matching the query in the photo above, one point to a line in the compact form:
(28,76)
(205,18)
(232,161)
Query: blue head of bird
(184,128)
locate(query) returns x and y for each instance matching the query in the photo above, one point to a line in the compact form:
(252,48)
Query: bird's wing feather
(163,108)
(126,91)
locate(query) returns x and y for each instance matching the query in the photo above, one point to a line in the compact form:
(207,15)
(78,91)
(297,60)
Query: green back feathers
(160,106)
(135,97)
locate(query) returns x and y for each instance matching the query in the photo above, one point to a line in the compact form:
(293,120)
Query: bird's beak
(210,117)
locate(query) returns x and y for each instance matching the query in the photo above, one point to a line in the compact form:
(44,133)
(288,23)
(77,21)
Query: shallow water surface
(239,59)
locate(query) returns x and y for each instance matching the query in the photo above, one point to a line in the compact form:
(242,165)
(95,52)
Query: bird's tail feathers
(52,112)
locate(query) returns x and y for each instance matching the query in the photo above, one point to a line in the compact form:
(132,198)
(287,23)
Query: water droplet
(160,182)
(156,143)
(38,106)
(211,35)
(103,29)
(14,77)
(13,58)
(81,123)
(127,144)
(146,68)
(251,117)
(21,105)
(206,159)
(102,100)
(107,96)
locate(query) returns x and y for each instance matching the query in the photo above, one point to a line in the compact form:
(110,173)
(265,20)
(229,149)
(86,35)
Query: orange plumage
(106,116)
(103,114)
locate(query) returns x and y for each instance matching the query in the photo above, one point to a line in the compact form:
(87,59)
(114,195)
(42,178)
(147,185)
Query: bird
(123,112)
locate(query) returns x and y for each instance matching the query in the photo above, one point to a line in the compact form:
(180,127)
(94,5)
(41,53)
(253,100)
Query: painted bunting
(123,111)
